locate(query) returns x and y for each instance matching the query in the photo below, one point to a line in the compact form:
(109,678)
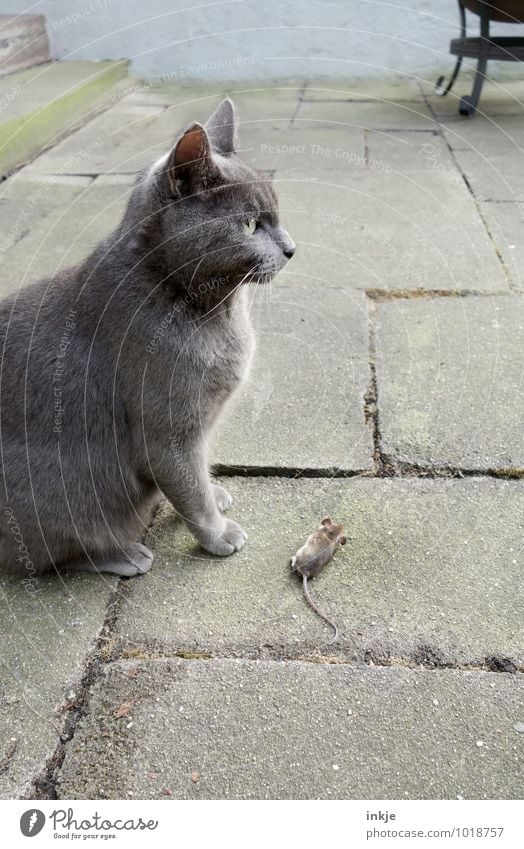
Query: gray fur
(114,373)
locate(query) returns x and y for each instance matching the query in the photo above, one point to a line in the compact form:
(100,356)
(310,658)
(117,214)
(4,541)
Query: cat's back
(31,312)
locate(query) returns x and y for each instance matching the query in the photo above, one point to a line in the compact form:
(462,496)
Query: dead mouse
(313,556)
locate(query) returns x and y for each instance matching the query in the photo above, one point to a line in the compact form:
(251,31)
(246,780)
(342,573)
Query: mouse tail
(317,611)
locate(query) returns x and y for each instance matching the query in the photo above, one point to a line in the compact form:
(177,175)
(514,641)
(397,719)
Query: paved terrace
(387,392)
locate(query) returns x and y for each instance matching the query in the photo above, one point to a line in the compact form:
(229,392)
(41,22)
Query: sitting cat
(114,373)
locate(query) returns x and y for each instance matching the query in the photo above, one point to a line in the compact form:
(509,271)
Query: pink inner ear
(191,147)
(327,522)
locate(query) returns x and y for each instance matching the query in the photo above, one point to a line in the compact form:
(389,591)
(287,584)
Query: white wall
(255,39)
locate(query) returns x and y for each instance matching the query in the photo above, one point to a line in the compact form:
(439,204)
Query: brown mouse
(313,556)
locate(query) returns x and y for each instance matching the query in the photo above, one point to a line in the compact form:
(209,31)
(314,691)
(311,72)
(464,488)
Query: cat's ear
(327,522)
(190,163)
(221,128)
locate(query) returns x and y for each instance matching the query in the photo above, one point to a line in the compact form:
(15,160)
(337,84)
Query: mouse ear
(327,522)
(343,540)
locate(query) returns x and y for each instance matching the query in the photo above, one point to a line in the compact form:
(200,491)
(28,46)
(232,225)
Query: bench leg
(468,103)
(440,89)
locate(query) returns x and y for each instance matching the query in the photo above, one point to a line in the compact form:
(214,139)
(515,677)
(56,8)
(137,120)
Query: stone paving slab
(46,636)
(24,204)
(371,115)
(490,154)
(411,152)
(368,231)
(79,216)
(132,135)
(494,178)
(42,104)
(430,574)
(394,89)
(309,152)
(503,135)
(123,139)
(254,103)
(303,403)
(506,225)
(450,382)
(226,729)
(499,98)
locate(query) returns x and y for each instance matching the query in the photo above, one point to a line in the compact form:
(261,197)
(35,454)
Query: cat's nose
(287,243)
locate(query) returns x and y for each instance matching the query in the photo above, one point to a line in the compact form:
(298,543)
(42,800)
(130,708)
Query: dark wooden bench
(505,48)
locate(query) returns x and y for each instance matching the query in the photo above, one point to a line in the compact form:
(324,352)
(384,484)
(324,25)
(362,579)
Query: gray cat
(114,373)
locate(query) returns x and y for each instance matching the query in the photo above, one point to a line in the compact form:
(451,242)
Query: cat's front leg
(183,477)
(223,499)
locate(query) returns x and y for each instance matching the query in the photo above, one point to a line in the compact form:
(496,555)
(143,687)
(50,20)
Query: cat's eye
(250,226)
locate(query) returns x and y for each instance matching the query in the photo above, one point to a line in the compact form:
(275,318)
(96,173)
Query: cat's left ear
(190,164)
(221,128)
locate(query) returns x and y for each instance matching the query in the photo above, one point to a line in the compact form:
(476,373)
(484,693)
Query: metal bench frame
(505,49)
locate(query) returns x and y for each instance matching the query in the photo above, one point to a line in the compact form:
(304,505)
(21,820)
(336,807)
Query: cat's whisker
(252,300)
(233,290)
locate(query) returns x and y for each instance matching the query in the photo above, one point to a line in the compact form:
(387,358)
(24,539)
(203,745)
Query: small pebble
(336,767)
(435,702)
(479,744)
(519,726)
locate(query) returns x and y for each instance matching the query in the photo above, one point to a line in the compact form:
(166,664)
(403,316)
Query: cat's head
(218,218)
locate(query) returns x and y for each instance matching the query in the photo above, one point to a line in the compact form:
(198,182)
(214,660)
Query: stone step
(240,729)
(41,105)
(428,576)
(23,42)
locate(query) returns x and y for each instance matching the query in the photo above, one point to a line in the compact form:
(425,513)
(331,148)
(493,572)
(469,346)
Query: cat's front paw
(225,541)
(222,497)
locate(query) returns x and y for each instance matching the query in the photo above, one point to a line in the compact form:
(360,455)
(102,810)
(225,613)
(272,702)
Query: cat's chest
(223,355)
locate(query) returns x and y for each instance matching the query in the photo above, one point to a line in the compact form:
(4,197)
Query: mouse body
(311,558)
